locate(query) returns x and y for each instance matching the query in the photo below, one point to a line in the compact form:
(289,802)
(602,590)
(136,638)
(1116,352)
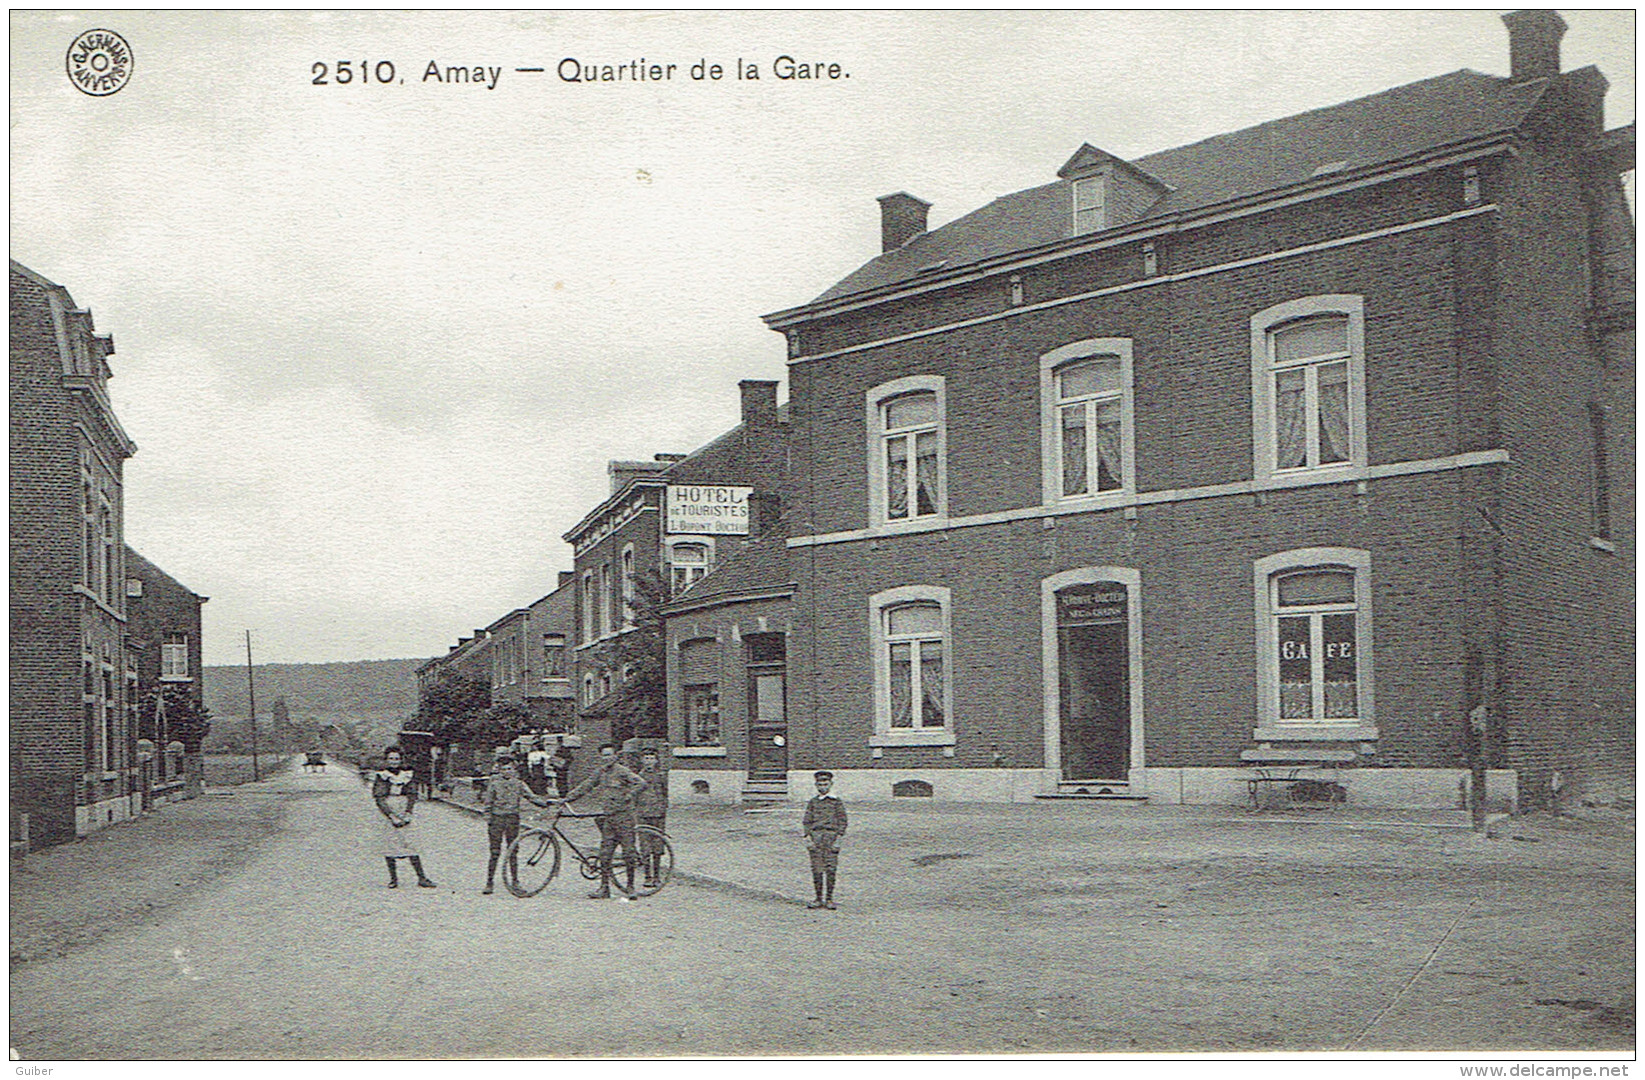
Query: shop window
(1088,439)
(702,714)
(1314,637)
(911,672)
(907,471)
(1308,386)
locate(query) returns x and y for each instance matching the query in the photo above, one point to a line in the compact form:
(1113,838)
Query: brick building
(163,642)
(73,745)
(1311,440)
(661,531)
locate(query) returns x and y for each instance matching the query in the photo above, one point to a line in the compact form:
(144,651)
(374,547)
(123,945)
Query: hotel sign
(707,508)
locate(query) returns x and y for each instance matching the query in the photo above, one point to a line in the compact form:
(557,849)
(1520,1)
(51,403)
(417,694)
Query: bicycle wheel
(656,860)
(531,862)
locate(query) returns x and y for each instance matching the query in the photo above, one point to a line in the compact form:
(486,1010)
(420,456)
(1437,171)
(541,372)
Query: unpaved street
(1005,929)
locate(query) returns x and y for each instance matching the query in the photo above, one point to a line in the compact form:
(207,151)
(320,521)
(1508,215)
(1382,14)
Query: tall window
(628,585)
(1089,213)
(110,712)
(702,715)
(686,564)
(907,473)
(174,656)
(699,674)
(911,670)
(589,695)
(588,605)
(605,599)
(914,651)
(1602,473)
(1309,385)
(1314,637)
(1088,442)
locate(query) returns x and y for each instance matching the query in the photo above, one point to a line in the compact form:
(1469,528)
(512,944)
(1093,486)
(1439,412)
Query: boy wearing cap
(824,825)
(652,806)
(504,790)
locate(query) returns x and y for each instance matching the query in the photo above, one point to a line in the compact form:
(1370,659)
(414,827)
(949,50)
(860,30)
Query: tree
(636,657)
(450,702)
(497,726)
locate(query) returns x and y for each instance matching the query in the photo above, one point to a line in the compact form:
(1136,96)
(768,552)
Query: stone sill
(1315,733)
(912,738)
(1599,543)
(698,751)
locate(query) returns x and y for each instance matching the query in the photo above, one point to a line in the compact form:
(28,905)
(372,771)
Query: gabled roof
(1394,125)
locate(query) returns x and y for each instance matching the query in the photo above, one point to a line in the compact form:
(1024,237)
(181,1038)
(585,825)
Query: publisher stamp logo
(99,63)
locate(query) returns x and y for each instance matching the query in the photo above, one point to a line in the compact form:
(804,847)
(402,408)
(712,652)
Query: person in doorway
(618,786)
(652,806)
(394,790)
(504,790)
(824,825)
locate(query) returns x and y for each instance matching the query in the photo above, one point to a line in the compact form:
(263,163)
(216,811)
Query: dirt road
(962,931)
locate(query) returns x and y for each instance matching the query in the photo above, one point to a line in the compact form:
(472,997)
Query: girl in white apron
(394,789)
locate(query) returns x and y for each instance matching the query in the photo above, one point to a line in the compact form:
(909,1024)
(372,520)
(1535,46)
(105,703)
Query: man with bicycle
(618,786)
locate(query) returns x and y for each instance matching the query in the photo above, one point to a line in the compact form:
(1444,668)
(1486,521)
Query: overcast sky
(377,342)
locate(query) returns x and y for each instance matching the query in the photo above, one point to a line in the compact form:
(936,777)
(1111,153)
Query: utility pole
(251,693)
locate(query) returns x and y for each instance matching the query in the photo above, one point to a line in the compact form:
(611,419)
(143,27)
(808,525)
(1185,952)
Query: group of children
(627,799)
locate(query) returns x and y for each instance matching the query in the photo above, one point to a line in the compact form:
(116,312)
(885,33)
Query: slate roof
(1391,126)
(757,565)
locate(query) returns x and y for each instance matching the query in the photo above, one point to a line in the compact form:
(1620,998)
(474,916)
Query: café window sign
(707,509)
(1099,604)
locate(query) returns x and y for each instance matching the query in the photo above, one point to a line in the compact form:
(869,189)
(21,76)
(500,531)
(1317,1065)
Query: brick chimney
(621,472)
(759,402)
(1533,44)
(902,217)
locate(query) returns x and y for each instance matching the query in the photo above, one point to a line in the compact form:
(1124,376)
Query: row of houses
(1310,442)
(105,678)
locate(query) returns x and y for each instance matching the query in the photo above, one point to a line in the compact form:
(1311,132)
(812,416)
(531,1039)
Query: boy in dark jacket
(824,825)
(652,806)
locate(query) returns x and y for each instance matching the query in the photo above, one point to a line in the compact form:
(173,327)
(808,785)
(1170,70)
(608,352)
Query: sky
(376,341)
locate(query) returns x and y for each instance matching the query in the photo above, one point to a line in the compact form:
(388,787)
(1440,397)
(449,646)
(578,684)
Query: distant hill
(379,694)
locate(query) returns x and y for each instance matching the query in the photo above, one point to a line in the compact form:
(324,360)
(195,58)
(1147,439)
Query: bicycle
(533,859)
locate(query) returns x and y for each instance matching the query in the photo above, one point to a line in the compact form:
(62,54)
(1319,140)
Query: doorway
(767,706)
(1094,680)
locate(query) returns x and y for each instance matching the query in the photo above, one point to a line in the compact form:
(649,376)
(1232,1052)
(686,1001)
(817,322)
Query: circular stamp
(99,63)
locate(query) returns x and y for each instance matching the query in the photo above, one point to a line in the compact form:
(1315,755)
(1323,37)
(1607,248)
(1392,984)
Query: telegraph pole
(251,693)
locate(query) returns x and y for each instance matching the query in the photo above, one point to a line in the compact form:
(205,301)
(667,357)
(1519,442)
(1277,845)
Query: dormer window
(1088,205)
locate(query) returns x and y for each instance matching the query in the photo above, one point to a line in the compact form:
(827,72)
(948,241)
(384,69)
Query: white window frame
(605,599)
(706,543)
(878,501)
(168,655)
(1051,428)
(627,571)
(878,605)
(1098,220)
(1265,450)
(1266,571)
(588,606)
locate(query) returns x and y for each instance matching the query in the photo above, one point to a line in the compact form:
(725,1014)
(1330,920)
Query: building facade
(1311,439)
(74,765)
(163,629)
(664,529)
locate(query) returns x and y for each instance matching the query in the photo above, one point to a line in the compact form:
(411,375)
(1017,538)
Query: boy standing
(652,805)
(504,790)
(824,825)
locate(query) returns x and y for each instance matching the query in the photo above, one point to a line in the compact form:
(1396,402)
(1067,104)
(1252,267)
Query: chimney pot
(759,401)
(902,217)
(1533,44)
